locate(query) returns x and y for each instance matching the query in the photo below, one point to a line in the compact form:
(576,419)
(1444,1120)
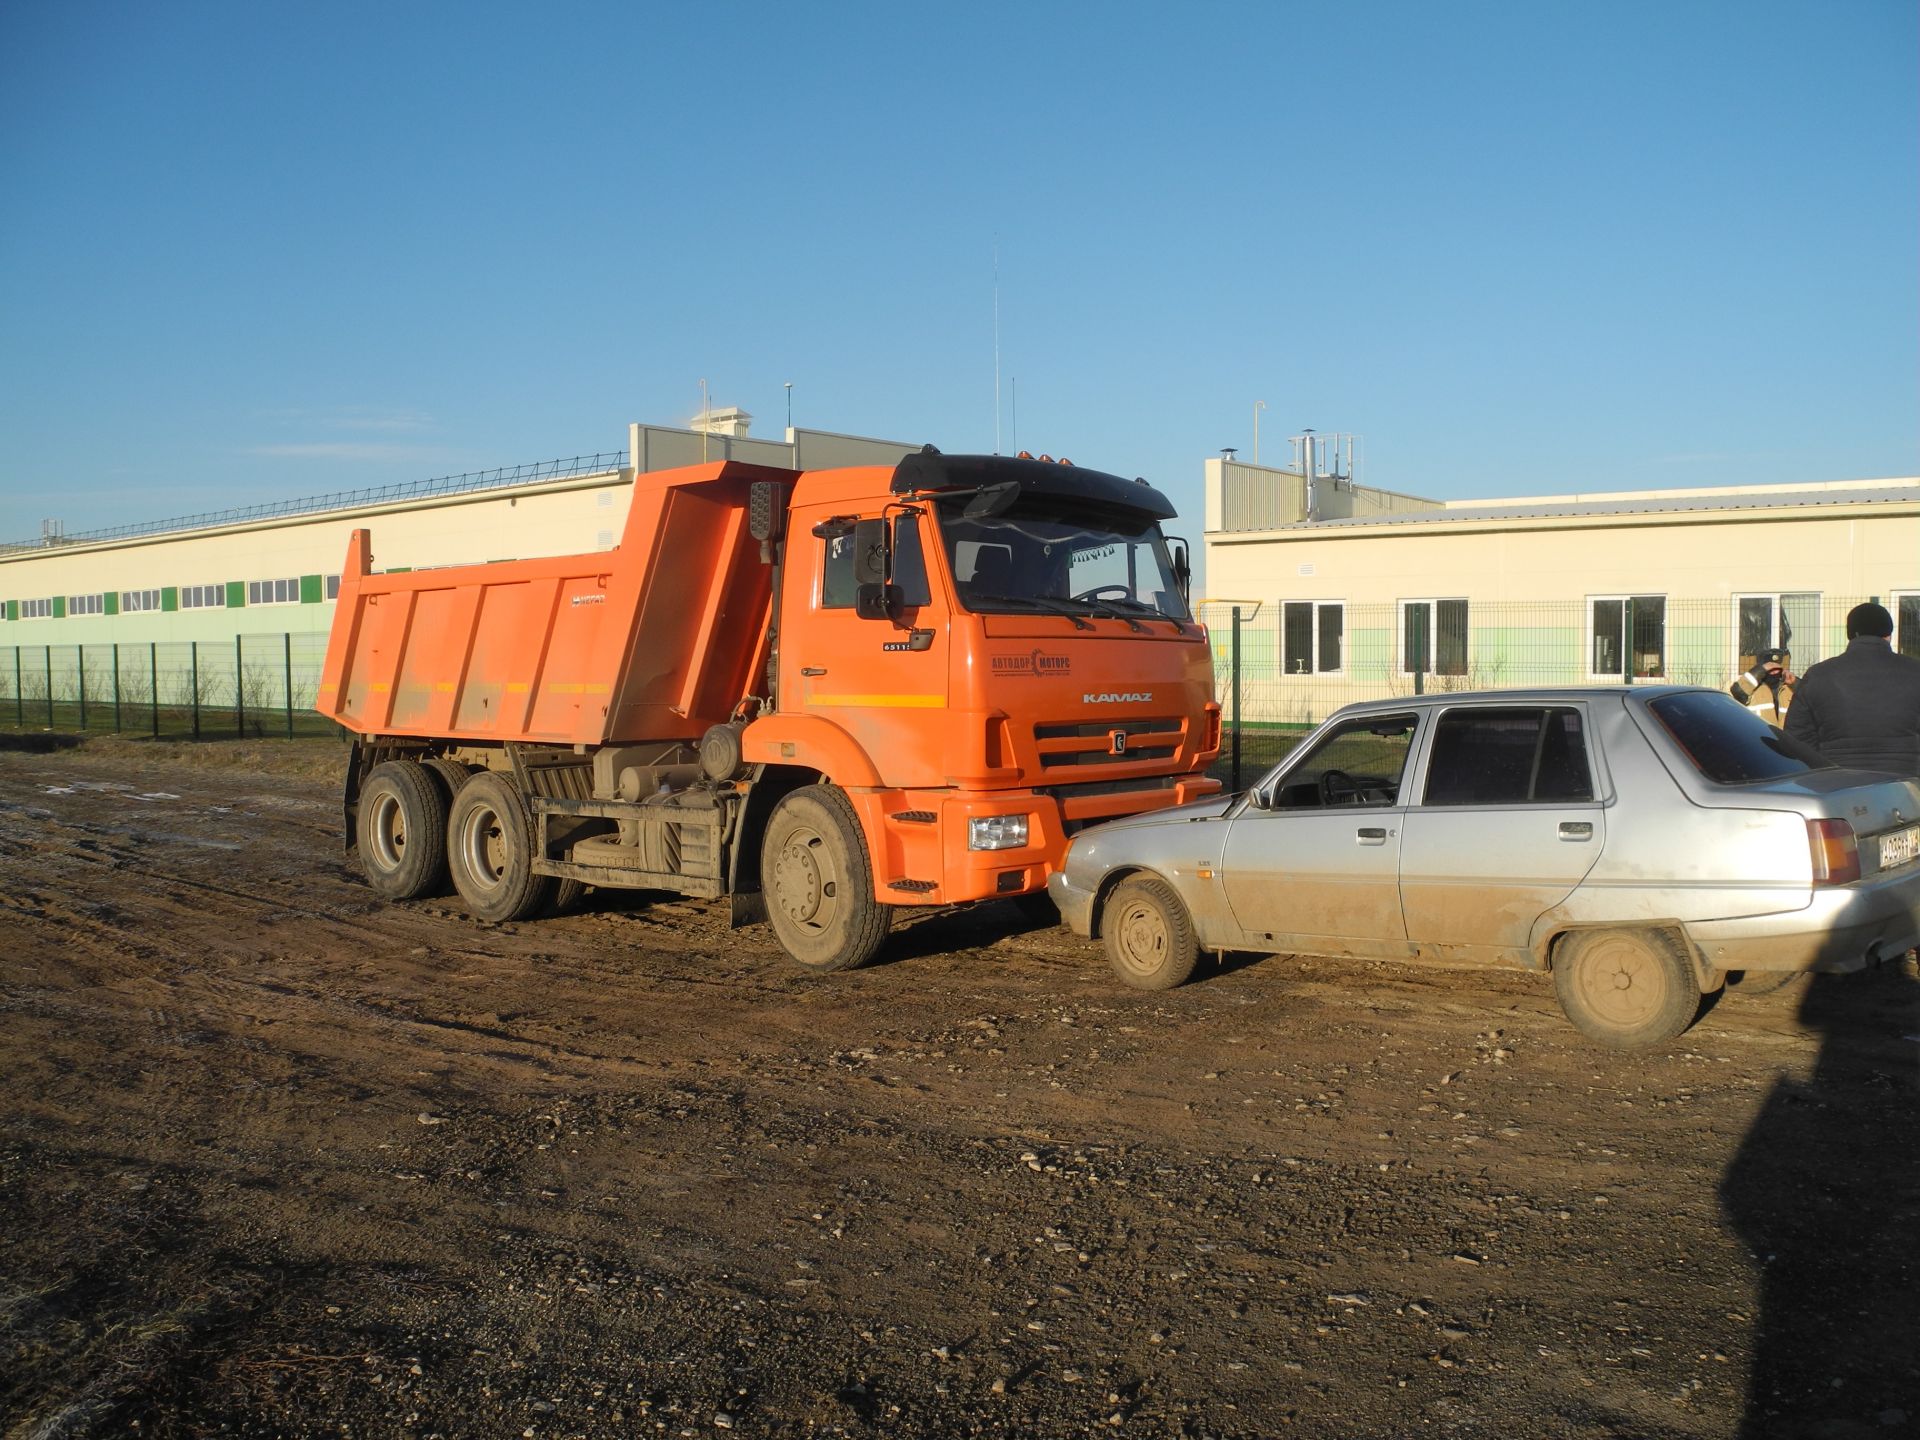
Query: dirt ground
(279,1159)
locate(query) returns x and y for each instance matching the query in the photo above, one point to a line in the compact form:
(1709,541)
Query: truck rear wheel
(401,833)
(1625,988)
(490,851)
(819,884)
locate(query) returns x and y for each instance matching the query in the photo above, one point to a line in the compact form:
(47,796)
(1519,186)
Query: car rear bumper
(1844,929)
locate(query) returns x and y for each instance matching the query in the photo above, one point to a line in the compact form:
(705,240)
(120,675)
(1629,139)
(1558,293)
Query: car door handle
(1576,830)
(1371,835)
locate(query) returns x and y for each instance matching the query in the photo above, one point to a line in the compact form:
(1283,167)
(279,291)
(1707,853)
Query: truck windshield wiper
(1142,607)
(1052,607)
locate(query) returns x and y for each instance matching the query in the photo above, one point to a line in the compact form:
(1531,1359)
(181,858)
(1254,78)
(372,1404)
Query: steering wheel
(1112,590)
(1336,787)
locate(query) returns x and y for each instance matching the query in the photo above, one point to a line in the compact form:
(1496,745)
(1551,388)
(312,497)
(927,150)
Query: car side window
(1510,755)
(836,573)
(1359,763)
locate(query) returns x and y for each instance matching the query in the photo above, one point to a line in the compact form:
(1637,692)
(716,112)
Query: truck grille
(1090,742)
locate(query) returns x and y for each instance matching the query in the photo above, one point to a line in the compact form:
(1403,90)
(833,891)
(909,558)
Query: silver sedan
(1638,843)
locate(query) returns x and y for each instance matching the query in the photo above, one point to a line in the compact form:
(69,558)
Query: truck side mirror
(873,600)
(870,552)
(1182,569)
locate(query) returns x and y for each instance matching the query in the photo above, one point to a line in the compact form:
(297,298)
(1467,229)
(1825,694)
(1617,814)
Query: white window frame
(41,609)
(1894,600)
(1626,640)
(137,602)
(1775,598)
(203,597)
(81,605)
(1313,640)
(277,591)
(1432,602)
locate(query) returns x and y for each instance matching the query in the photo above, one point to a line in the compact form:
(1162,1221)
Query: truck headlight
(997,832)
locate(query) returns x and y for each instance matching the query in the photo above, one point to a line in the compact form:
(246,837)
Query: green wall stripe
(236,594)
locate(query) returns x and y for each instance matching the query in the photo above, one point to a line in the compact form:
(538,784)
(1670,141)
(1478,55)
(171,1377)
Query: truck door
(860,673)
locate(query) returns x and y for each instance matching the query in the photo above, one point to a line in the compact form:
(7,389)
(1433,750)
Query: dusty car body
(1636,842)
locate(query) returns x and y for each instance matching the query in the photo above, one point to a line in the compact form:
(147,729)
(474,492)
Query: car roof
(1532,695)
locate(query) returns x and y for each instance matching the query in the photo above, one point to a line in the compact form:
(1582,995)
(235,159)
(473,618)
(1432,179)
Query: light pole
(1258,406)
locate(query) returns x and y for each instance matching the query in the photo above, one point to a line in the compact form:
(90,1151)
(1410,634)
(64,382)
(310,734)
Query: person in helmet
(1766,688)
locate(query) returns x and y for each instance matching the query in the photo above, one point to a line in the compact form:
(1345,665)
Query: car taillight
(1836,853)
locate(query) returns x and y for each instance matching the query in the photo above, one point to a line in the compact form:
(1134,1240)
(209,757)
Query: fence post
(116,687)
(193,679)
(239,691)
(287,641)
(1236,698)
(80,680)
(153,679)
(1626,642)
(49,659)
(19,697)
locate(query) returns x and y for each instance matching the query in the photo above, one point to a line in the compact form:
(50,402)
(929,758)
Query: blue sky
(257,252)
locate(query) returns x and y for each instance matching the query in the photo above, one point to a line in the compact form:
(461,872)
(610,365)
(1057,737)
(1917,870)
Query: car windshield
(1048,554)
(1728,743)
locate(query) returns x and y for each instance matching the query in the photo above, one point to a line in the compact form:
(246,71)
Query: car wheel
(490,851)
(401,831)
(1150,941)
(818,884)
(1627,989)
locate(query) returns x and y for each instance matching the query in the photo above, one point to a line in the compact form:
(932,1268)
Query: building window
(86,604)
(1906,622)
(132,601)
(36,609)
(274,592)
(1623,630)
(202,597)
(1311,636)
(333,587)
(1785,621)
(1433,637)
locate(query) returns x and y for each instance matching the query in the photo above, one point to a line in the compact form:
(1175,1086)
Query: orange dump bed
(655,639)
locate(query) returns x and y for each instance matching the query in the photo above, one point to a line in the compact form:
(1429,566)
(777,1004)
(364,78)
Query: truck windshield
(1054,555)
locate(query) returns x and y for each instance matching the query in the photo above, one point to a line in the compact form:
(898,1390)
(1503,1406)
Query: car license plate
(1898,847)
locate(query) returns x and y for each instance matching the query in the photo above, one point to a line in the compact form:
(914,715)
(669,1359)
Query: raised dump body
(824,695)
(657,639)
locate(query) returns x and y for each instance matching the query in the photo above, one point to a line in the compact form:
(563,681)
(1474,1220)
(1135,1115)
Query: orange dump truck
(823,694)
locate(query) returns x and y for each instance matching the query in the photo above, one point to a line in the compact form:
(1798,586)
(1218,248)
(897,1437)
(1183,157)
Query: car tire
(490,851)
(818,882)
(1149,937)
(400,832)
(1627,989)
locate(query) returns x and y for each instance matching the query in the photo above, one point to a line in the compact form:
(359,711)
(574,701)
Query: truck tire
(818,882)
(401,835)
(490,851)
(1627,989)
(449,776)
(1149,937)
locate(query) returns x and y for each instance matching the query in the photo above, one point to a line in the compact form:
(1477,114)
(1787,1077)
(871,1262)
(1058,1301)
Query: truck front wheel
(401,834)
(819,884)
(490,851)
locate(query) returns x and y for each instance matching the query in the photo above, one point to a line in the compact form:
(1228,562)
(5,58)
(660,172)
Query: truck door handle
(813,669)
(1576,830)
(1371,835)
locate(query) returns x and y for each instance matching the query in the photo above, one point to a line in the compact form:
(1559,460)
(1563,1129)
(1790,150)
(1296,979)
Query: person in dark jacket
(1862,707)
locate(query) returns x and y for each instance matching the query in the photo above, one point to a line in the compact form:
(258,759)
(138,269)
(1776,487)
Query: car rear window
(1728,743)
